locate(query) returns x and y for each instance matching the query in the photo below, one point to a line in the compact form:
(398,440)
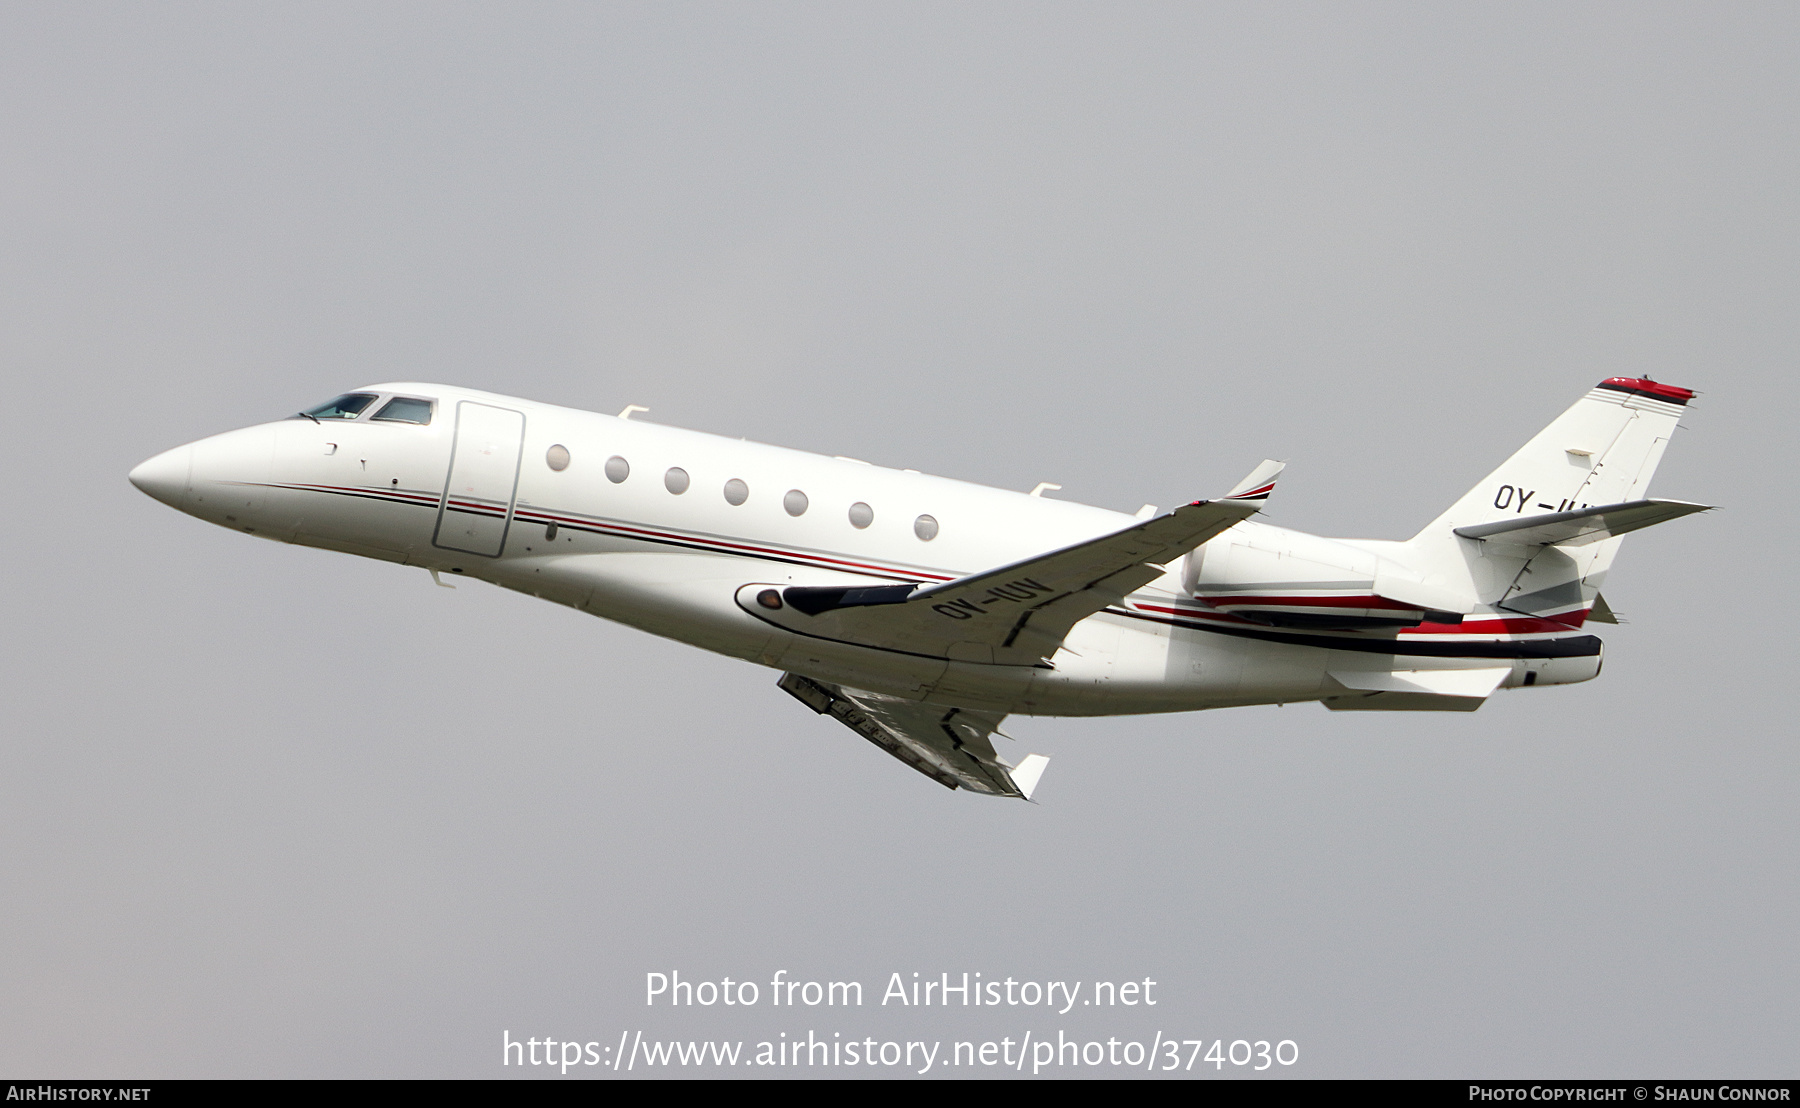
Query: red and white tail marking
(1259,484)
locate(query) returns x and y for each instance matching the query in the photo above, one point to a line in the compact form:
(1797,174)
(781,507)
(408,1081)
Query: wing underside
(952,746)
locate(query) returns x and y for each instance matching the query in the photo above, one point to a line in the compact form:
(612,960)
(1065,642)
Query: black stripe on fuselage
(529,517)
(702,546)
(1567,646)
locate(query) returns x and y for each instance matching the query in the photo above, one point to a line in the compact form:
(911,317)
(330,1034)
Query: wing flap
(952,746)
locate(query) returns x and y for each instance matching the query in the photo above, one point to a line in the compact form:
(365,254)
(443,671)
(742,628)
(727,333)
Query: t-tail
(1538,535)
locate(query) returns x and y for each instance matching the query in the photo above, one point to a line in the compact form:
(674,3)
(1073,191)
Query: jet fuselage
(662,528)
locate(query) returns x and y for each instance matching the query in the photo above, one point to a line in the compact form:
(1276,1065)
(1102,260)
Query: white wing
(1017,614)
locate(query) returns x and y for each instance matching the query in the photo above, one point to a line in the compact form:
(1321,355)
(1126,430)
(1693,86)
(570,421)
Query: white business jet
(920,611)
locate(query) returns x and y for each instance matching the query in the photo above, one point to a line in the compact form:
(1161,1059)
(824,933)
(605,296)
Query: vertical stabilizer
(1602,451)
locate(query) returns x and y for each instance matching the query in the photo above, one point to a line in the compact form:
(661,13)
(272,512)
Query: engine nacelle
(1287,579)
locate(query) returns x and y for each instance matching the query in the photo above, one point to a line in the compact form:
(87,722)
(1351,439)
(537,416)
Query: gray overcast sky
(274,812)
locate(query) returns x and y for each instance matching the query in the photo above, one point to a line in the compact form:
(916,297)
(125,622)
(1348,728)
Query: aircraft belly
(359,525)
(900,675)
(1278,672)
(686,597)
(350,488)
(1154,669)
(1208,667)
(990,687)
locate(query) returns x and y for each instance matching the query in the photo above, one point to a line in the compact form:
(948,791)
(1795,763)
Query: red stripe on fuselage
(623,530)
(1478,625)
(1240,600)
(635,531)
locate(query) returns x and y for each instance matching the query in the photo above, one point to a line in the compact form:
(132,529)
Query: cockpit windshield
(347,406)
(404,409)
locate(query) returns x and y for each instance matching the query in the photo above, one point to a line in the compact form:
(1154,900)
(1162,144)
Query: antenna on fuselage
(629,408)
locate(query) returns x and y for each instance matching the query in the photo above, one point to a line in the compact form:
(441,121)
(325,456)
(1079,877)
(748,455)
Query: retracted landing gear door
(483,479)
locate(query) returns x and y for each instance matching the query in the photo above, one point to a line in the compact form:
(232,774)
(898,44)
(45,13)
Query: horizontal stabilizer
(1584,526)
(952,746)
(1017,614)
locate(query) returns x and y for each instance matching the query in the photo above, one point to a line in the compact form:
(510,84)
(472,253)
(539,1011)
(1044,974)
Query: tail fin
(1601,452)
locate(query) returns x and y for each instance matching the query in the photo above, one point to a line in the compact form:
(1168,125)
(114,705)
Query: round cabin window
(736,492)
(557,457)
(926,528)
(861,515)
(676,480)
(795,502)
(617,469)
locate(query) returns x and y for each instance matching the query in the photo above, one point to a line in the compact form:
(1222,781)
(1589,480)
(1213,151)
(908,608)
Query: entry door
(483,478)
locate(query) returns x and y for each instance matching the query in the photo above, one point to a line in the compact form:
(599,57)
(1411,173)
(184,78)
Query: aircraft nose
(166,476)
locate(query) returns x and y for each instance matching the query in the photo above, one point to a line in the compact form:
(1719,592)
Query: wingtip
(1027,773)
(1259,484)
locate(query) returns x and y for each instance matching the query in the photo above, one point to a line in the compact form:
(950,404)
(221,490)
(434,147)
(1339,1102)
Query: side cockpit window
(405,409)
(347,406)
